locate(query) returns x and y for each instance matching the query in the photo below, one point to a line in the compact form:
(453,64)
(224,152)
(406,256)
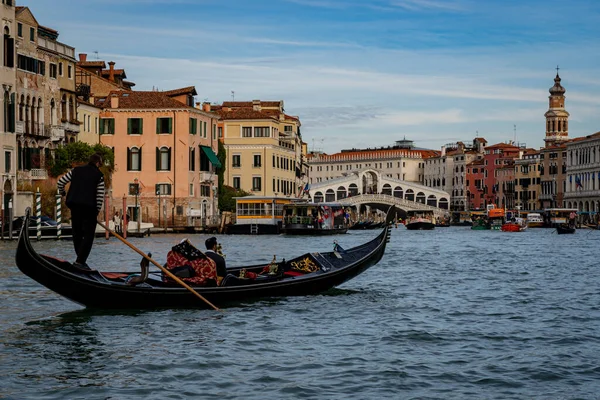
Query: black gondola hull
(94,290)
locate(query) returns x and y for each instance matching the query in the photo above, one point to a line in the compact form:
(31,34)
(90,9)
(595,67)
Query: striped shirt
(66,178)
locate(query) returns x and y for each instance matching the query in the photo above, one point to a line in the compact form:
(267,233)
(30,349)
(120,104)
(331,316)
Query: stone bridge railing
(404,204)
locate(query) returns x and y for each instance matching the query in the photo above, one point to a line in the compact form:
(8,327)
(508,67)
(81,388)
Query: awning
(212,157)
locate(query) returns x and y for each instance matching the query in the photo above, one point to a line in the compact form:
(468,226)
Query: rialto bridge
(370,188)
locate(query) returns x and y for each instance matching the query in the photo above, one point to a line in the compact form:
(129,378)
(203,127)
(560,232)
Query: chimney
(206,106)
(114,101)
(256,105)
(111,71)
(82,57)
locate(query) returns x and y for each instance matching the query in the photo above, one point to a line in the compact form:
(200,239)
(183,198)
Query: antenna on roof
(515,129)
(96,53)
(232,95)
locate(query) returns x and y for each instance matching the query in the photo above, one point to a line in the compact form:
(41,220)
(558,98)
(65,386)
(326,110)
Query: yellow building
(264,147)
(88,116)
(527,181)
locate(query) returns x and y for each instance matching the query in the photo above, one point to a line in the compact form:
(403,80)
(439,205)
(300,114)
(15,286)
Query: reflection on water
(449,313)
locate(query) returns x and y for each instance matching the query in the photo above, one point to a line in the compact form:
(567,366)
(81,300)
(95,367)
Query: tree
(226,197)
(77,153)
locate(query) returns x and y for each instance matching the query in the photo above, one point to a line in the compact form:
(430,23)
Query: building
(8,141)
(263,145)
(402,162)
(582,186)
(46,99)
(474,184)
(527,181)
(505,184)
(554,155)
(93,79)
(496,156)
(165,161)
(88,116)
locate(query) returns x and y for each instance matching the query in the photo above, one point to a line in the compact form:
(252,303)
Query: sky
(358,73)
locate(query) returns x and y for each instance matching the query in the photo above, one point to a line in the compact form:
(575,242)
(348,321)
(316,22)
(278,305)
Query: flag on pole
(578,183)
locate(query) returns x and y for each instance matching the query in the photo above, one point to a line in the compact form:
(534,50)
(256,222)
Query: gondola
(307,274)
(564,229)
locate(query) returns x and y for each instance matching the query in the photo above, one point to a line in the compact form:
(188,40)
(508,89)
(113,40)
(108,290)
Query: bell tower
(557,118)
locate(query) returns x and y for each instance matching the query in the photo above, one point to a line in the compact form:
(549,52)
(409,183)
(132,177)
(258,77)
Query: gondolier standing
(85,198)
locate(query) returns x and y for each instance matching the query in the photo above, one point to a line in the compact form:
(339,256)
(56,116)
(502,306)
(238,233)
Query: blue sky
(358,73)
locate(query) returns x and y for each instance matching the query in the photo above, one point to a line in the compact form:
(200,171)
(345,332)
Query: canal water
(449,313)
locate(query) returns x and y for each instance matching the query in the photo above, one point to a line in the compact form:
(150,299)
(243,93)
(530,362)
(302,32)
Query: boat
(420,220)
(257,215)
(515,225)
(562,229)
(304,218)
(535,220)
(495,217)
(559,216)
(307,274)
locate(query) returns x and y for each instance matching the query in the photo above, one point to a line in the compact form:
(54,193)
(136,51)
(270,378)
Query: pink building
(165,156)
(495,157)
(475,183)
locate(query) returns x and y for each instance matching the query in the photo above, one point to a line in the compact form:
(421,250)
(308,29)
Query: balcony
(32,128)
(57,133)
(70,126)
(57,47)
(33,174)
(206,176)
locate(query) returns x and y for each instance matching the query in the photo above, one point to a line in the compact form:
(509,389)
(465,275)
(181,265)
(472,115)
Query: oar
(163,269)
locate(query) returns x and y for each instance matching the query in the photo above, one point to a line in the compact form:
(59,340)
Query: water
(449,313)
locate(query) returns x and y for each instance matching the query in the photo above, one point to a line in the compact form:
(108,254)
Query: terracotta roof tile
(98,63)
(140,100)
(243,113)
(186,90)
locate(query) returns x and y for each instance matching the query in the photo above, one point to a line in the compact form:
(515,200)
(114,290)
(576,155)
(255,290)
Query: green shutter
(11,116)
(141,150)
(111,126)
(102,126)
(129,126)
(170,125)
(141,132)
(169,161)
(157,125)
(157,159)
(128,159)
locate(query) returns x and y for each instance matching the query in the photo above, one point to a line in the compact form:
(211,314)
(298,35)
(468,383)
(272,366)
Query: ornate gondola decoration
(306,274)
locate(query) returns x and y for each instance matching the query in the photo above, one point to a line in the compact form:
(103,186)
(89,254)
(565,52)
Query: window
(191,189)
(236,161)
(193,126)
(220,130)
(20,29)
(214,132)
(60,69)
(192,159)
(287,128)
(204,190)
(262,131)
(164,125)
(134,126)
(134,159)
(237,182)
(256,184)
(7,161)
(204,128)
(32,34)
(247,131)
(107,126)
(257,160)
(134,189)
(53,71)
(163,188)
(31,64)
(163,159)
(9,51)
(70,71)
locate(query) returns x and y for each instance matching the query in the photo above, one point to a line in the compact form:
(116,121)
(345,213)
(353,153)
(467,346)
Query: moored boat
(420,220)
(307,274)
(516,225)
(563,229)
(535,220)
(303,218)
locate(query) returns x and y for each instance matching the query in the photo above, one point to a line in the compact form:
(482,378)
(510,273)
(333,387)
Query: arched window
(163,159)
(398,192)
(432,200)
(134,159)
(341,193)
(318,197)
(410,195)
(421,197)
(386,189)
(329,195)
(63,108)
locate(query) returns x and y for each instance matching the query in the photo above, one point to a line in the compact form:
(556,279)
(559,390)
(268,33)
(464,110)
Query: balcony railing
(57,47)
(206,176)
(33,174)
(32,128)
(57,133)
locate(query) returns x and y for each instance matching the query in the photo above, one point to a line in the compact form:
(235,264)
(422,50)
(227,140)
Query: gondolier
(84,199)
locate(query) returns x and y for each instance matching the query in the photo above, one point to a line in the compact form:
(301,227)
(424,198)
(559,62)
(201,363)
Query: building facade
(46,99)
(263,145)
(527,181)
(165,156)
(582,186)
(496,156)
(8,141)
